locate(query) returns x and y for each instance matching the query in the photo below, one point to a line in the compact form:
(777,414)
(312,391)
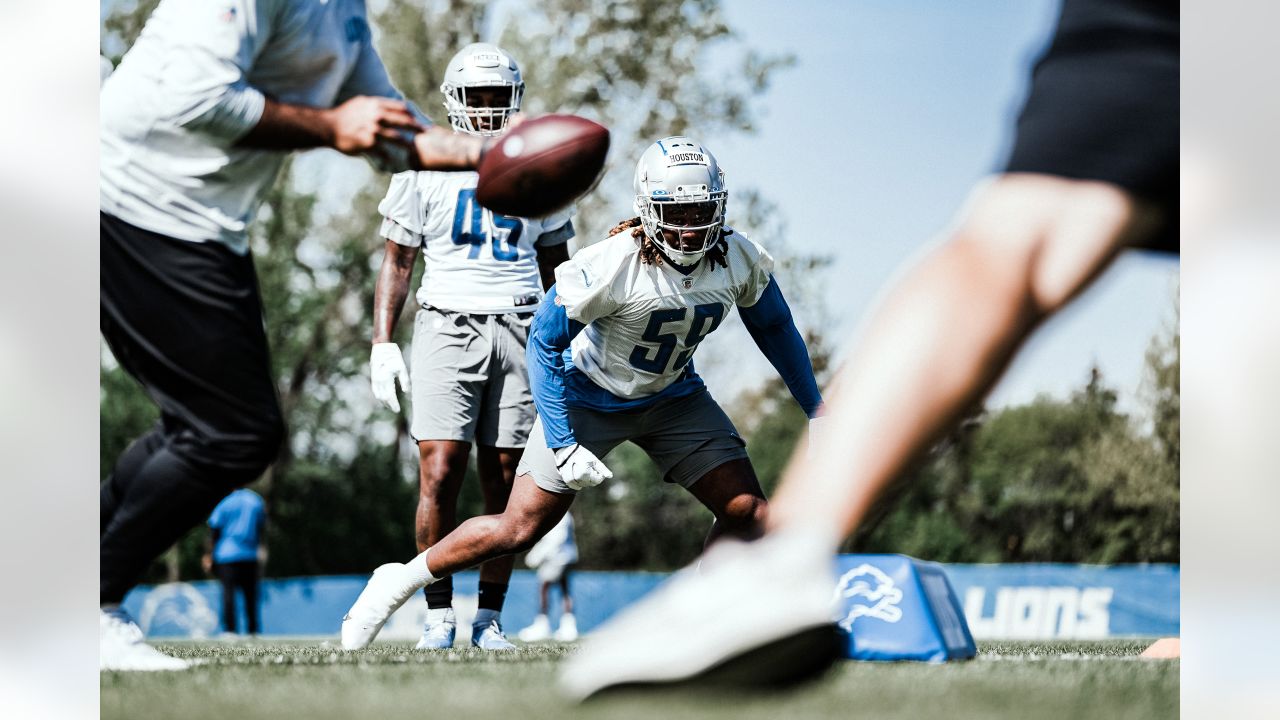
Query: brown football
(542,165)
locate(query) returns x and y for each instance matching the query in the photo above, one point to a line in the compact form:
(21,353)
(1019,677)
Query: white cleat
(486,632)
(121,646)
(568,630)
(388,589)
(439,630)
(746,615)
(538,630)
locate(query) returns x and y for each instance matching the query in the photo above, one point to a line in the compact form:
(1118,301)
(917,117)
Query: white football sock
(418,572)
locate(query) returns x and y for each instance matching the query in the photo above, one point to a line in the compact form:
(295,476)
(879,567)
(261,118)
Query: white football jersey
(477,261)
(196,81)
(644,322)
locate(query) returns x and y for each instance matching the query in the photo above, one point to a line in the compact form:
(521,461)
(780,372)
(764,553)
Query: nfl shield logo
(688,283)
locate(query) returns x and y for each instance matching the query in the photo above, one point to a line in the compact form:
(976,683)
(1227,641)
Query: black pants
(242,576)
(185,320)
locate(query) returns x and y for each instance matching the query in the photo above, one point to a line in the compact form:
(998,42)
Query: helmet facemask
(679,216)
(475,119)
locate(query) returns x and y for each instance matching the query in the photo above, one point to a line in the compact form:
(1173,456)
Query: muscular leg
(531,513)
(946,331)
(442,464)
(732,493)
(497,470)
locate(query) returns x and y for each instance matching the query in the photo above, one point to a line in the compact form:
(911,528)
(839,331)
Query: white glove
(815,429)
(580,468)
(386,365)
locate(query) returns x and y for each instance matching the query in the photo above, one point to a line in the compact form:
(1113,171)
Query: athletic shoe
(388,589)
(486,632)
(538,630)
(121,646)
(752,615)
(568,630)
(439,630)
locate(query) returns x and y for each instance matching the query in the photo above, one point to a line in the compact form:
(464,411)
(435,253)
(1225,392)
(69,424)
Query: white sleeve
(402,212)
(584,285)
(557,229)
(760,268)
(211,48)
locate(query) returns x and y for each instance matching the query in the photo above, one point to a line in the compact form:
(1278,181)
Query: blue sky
(871,142)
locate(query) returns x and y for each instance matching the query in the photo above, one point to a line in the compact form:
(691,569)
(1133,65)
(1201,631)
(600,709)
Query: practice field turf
(315,681)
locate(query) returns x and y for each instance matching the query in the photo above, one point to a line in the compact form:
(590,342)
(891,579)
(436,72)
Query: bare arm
(210,540)
(549,258)
(357,126)
(352,127)
(441,149)
(392,288)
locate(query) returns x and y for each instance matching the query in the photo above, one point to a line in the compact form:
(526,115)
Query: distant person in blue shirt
(237,553)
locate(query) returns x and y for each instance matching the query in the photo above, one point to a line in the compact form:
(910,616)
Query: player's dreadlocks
(651,255)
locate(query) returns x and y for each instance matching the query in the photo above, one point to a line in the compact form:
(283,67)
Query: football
(542,165)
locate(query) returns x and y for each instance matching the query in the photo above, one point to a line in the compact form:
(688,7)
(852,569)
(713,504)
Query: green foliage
(1056,480)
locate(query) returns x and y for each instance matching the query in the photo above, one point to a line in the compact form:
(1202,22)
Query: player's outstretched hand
(580,468)
(386,365)
(359,123)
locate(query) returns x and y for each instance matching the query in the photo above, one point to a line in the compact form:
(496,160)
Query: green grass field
(315,681)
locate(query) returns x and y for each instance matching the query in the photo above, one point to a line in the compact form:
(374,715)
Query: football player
(610,360)
(484,276)
(1094,169)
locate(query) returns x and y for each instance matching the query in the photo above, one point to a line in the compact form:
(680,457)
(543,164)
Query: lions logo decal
(877,592)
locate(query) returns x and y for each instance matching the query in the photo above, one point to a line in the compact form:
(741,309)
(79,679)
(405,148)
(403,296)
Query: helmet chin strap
(691,258)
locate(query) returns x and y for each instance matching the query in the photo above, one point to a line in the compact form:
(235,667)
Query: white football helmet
(680,187)
(481,65)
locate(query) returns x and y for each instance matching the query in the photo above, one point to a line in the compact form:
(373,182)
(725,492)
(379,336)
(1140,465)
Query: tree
(1055,480)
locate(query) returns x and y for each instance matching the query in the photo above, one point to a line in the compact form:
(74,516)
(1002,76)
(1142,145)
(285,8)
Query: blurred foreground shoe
(538,630)
(439,630)
(486,632)
(121,647)
(747,615)
(568,630)
(387,590)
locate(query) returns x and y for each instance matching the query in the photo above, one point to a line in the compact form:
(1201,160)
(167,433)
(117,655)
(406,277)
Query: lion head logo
(177,609)
(877,592)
